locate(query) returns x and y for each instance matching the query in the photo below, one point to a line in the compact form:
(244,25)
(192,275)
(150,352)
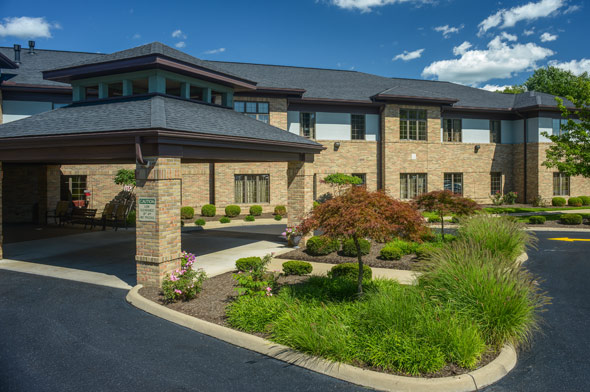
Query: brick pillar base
(1,234)
(299,193)
(158,241)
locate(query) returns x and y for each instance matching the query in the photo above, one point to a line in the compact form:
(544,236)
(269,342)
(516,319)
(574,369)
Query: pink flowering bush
(258,280)
(185,282)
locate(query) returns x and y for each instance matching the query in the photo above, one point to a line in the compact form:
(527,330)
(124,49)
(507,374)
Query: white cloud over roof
(531,11)
(27,27)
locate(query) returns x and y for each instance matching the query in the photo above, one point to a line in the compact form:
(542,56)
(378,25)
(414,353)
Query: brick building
(402,135)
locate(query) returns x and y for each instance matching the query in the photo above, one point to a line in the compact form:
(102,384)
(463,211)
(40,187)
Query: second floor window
(452,130)
(307,124)
(412,124)
(257,110)
(495,131)
(357,126)
(558,126)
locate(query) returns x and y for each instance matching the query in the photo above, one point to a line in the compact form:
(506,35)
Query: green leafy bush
(510,197)
(321,245)
(296,267)
(131,218)
(558,201)
(349,248)
(247,263)
(316,203)
(256,210)
(224,219)
(208,210)
(200,222)
(574,202)
(281,210)
(257,281)
(537,220)
(249,218)
(278,217)
(187,212)
(184,283)
(571,219)
(232,210)
(350,271)
(125,177)
(585,200)
(391,252)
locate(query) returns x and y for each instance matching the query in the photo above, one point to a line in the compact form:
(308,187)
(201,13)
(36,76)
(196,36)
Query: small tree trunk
(442,225)
(360,261)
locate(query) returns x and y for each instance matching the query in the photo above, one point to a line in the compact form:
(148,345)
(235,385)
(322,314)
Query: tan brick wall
(1,113)
(21,190)
(300,191)
(195,185)
(1,210)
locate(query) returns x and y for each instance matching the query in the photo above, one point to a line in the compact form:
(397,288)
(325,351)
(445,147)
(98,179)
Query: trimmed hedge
(537,220)
(320,245)
(232,210)
(249,218)
(296,267)
(281,210)
(224,219)
(200,222)
(558,202)
(247,263)
(571,219)
(256,210)
(350,271)
(187,212)
(574,202)
(349,248)
(208,210)
(391,252)
(585,200)
(278,217)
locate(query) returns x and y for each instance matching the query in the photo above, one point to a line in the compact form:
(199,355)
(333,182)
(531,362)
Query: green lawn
(512,210)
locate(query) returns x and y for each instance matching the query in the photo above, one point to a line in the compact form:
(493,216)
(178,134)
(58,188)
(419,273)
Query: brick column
(1,234)
(299,191)
(158,242)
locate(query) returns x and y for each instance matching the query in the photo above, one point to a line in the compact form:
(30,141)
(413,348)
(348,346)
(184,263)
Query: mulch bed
(219,291)
(216,218)
(407,262)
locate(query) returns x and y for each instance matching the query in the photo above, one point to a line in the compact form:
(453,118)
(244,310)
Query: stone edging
(471,381)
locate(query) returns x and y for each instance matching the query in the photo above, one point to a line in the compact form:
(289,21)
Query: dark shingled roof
(148,112)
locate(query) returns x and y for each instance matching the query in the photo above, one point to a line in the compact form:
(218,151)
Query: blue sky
(472,42)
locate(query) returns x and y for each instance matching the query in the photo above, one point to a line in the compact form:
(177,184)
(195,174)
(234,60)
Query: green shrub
(448,238)
(571,219)
(281,210)
(247,263)
(208,210)
(574,202)
(585,200)
(131,218)
(455,219)
(278,217)
(316,203)
(187,212)
(537,220)
(432,217)
(224,219)
(558,201)
(256,210)
(200,222)
(232,210)
(321,245)
(349,248)
(350,271)
(501,236)
(249,218)
(391,252)
(585,216)
(296,267)
(425,250)
(184,283)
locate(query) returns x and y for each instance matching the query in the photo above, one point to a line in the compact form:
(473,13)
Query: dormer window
(140,86)
(173,87)
(115,89)
(91,92)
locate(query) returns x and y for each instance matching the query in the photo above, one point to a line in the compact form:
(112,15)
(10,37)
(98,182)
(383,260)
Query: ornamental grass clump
(185,282)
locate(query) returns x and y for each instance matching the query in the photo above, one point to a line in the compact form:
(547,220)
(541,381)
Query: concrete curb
(471,381)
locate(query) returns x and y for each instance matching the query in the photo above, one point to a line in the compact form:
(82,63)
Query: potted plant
(292,235)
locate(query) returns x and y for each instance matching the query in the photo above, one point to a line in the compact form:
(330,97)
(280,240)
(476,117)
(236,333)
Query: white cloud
(407,56)
(529,32)
(508,37)
(461,49)
(577,67)
(215,51)
(136,36)
(494,87)
(530,11)
(447,30)
(546,37)
(178,34)
(571,9)
(180,44)
(500,60)
(368,5)
(27,27)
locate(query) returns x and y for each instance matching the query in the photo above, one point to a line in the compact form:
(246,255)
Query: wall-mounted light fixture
(477,147)
(336,146)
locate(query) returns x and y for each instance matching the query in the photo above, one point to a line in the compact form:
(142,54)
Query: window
(558,126)
(173,87)
(257,110)
(362,176)
(452,130)
(252,188)
(496,183)
(561,184)
(72,189)
(115,89)
(196,93)
(454,183)
(91,92)
(140,86)
(412,185)
(357,126)
(412,124)
(307,124)
(495,131)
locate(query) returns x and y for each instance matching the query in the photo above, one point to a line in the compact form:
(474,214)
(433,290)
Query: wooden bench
(60,212)
(82,215)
